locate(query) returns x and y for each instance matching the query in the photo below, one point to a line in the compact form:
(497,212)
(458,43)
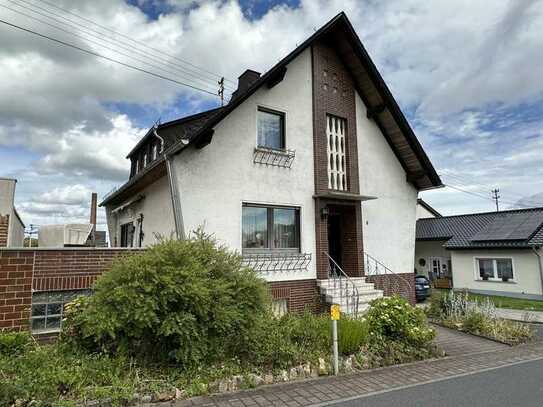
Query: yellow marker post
(335,313)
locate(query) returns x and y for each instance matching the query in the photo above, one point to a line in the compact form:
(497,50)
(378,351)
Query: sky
(466,74)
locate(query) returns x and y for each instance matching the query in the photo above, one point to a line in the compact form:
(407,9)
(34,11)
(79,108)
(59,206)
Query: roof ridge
(537,208)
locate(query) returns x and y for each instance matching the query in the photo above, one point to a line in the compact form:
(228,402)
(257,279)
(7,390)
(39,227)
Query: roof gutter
(540,263)
(176,202)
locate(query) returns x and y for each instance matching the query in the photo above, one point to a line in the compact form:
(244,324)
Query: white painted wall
(7,201)
(389,220)
(157,212)
(215,180)
(422,212)
(426,250)
(525,270)
(7,194)
(16,232)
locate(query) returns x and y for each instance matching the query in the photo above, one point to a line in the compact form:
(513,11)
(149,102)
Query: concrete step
(361,283)
(363,299)
(337,290)
(348,310)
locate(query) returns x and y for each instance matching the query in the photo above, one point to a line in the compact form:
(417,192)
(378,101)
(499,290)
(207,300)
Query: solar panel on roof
(511,226)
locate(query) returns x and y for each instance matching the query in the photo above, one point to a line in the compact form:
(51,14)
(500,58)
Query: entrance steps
(336,294)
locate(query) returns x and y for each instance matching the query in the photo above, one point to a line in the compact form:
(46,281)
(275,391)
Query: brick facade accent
(334,93)
(300,294)
(4,226)
(395,284)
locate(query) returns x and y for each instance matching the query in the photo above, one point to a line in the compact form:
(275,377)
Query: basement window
(271,129)
(48,309)
(266,228)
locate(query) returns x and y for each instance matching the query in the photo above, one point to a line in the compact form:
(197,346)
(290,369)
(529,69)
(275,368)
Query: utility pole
(221,90)
(496,198)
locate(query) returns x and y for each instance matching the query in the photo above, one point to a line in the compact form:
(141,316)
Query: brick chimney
(245,80)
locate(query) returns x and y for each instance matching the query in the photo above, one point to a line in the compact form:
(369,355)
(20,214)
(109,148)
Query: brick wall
(27,270)
(15,289)
(4,225)
(300,294)
(401,283)
(71,269)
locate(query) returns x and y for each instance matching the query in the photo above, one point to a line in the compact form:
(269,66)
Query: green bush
(381,351)
(352,334)
(189,301)
(15,343)
(476,322)
(393,318)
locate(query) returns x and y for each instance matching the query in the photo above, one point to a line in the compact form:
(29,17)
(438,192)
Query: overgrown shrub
(393,318)
(189,301)
(15,343)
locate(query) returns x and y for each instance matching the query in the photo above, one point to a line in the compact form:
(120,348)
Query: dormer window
(144,160)
(271,129)
(137,166)
(155,151)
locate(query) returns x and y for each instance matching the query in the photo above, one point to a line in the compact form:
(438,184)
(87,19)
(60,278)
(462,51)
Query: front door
(334,238)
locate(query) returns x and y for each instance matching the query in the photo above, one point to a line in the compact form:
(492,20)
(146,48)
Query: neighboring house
(424,210)
(12,228)
(495,252)
(311,160)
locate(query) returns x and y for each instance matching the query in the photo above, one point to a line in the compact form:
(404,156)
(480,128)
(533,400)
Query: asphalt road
(511,386)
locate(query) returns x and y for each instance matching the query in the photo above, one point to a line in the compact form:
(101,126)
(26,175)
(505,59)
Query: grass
(503,302)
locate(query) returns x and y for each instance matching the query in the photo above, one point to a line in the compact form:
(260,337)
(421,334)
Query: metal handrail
(386,271)
(351,298)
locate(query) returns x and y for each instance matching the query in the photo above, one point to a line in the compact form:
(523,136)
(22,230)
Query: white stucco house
(12,228)
(490,253)
(310,167)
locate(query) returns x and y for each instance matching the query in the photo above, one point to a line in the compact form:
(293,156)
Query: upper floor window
(155,151)
(127,235)
(270,228)
(495,269)
(144,160)
(137,166)
(271,129)
(336,129)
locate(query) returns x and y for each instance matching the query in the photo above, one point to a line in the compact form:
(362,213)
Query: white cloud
(456,68)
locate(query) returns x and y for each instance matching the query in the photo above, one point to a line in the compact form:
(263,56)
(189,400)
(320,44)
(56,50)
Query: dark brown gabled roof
(172,132)
(185,127)
(518,228)
(370,85)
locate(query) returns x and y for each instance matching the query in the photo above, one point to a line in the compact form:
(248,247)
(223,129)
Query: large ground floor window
(266,228)
(495,269)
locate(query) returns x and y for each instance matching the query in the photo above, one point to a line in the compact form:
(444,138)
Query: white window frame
(495,266)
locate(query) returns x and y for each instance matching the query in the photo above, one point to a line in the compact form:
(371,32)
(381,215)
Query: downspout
(174,193)
(540,263)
